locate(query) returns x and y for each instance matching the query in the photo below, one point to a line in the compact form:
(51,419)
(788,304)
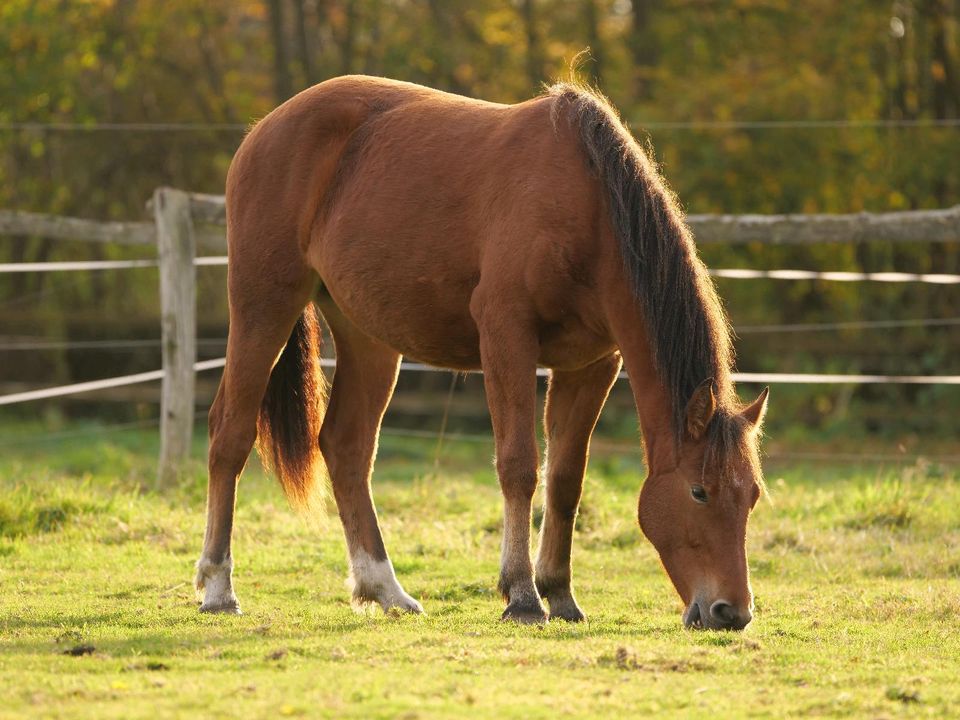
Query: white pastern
(374,581)
(215,580)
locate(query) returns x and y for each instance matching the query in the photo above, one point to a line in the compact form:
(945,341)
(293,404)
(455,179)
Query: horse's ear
(754,412)
(700,409)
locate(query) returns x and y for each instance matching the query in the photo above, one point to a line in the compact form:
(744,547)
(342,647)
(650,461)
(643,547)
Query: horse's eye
(698,493)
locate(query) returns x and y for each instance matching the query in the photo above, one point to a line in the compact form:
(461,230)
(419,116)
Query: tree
(534,57)
(282,83)
(591,20)
(303,43)
(643,44)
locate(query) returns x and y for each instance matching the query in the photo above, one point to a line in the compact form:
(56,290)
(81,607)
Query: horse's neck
(653,402)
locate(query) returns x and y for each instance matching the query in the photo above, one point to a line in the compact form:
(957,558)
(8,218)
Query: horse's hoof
(525,614)
(405,605)
(570,613)
(226,608)
(564,607)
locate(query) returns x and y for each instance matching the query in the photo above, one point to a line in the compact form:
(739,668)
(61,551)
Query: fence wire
(694,125)
(34,344)
(598,445)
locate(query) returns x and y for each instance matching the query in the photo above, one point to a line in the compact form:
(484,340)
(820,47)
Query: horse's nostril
(727,616)
(723,612)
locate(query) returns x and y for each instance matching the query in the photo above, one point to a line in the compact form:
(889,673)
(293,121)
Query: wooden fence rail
(209,217)
(909,226)
(182,222)
(55,227)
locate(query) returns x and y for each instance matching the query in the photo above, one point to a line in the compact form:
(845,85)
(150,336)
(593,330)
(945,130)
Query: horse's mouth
(691,617)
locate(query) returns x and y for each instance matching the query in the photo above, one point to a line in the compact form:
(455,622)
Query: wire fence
(742,274)
(732,273)
(598,446)
(211,207)
(745,377)
(695,125)
(34,344)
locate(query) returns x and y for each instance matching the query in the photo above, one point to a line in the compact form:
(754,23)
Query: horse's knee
(564,489)
(517,471)
(564,509)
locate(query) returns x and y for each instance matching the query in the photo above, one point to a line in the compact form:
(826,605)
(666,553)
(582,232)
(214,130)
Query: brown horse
(472,235)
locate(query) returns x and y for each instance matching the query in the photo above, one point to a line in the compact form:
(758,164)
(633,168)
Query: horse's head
(695,514)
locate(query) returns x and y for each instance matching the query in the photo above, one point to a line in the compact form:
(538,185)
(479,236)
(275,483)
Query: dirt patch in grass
(80,650)
(626,658)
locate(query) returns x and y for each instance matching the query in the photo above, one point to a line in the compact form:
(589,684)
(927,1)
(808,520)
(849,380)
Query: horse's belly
(421,317)
(573,349)
(414,294)
(433,325)
(441,336)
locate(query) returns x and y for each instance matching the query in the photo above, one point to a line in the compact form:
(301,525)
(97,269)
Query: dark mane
(685,320)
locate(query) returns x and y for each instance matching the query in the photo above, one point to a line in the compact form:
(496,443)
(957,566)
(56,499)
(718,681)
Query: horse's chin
(691,617)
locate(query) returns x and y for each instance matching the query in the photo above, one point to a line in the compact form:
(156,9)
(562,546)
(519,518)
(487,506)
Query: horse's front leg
(574,401)
(509,356)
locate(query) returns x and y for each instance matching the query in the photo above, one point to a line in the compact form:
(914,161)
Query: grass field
(855,572)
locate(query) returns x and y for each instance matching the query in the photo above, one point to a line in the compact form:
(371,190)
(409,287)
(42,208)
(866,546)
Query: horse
(472,235)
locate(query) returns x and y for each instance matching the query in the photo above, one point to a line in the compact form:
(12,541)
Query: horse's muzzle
(721,616)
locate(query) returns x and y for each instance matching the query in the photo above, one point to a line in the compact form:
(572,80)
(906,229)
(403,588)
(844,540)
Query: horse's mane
(685,320)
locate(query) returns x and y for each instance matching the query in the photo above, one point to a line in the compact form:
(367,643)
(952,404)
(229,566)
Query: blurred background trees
(750,106)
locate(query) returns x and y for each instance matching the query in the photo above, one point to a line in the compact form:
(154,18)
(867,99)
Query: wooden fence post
(178,302)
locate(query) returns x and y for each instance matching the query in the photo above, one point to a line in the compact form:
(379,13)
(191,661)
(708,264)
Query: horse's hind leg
(262,314)
(362,386)
(574,401)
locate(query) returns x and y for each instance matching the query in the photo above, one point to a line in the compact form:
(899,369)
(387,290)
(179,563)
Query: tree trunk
(373,58)
(643,47)
(282,84)
(534,53)
(946,102)
(346,40)
(303,44)
(591,18)
(446,38)
(209,18)
(910,93)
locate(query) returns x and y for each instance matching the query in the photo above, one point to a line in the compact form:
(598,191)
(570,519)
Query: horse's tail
(288,426)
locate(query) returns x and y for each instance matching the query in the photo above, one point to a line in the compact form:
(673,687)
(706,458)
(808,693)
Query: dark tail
(288,426)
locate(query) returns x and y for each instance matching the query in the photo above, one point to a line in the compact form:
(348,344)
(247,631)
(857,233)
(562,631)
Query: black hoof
(563,606)
(570,614)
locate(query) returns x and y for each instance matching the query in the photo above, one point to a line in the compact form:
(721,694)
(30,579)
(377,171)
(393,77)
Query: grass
(855,572)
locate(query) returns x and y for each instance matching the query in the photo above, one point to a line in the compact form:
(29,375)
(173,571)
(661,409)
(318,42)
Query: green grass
(855,572)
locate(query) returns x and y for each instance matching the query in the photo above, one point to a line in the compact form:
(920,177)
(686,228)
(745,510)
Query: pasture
(855,571)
